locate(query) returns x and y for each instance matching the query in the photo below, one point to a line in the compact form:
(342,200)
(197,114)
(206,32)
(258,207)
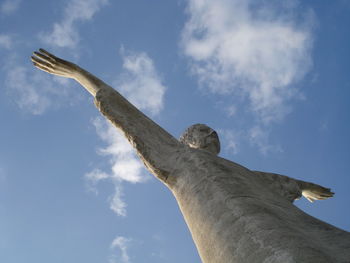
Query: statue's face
(200,136)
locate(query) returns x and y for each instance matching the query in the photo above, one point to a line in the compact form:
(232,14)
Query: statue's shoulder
(210,163)
(280,184)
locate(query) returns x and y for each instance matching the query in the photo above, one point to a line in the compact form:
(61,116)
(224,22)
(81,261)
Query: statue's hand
(314,192)
(49,63)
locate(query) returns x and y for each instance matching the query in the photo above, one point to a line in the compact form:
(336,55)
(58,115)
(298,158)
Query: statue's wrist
(79,73)
(301,184)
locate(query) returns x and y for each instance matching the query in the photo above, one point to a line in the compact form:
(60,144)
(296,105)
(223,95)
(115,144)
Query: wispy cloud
(33,91)
(253,50)
(122,244)
(241,47)
(9,6)
(121,153)
(117,203)
(229,140)
(24,86)
(65,32)
(140,82)
(5,41)
(125,166)
(259,136)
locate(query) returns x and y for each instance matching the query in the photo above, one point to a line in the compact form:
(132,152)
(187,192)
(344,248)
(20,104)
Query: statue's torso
(234,216)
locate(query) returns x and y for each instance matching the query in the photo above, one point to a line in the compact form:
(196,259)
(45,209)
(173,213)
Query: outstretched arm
(292,189)
(156,147)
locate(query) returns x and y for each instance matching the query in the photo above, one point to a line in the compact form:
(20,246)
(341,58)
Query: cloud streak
(255,51)
(140,82)
(33,92)
(65,33)
(5,41)
(259,136)
(122,244)
(230,140)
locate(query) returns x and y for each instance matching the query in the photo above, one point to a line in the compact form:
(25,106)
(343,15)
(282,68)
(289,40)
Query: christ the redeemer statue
(234,214)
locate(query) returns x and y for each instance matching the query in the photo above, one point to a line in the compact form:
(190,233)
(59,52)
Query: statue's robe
(233,213)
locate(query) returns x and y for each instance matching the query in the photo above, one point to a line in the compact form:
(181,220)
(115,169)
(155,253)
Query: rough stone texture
(234,214)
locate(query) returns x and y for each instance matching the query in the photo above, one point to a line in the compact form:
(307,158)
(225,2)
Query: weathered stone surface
(234,214)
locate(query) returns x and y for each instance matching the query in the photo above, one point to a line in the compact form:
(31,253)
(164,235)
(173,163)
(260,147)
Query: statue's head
(200,136)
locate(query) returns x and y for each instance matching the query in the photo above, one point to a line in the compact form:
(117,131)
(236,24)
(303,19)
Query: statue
(234,214)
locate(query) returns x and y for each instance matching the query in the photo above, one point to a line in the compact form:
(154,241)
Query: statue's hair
(188,137)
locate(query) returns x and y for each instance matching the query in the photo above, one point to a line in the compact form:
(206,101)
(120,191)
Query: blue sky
(271,78)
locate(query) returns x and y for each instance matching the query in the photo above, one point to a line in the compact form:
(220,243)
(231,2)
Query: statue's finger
(40,62)
(327,194)
(310,199)
(44,58)
(48,54)
(42,67)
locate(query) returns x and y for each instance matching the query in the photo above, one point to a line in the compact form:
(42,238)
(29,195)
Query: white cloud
(117,204)
(241,47)
(231,110)
(24,86)
(125,166)
(96,175)
(93,177)
(5,41)
(65,33)
(140,82)
(259,137)
(122,244)
(229,140)
(9,6)
(33,92)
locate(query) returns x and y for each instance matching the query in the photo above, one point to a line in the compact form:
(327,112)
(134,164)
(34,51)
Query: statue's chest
(206,176)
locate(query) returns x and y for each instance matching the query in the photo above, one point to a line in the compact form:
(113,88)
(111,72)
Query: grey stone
(234,214)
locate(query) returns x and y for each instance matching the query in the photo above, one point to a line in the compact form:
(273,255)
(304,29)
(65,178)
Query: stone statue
(234,214)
